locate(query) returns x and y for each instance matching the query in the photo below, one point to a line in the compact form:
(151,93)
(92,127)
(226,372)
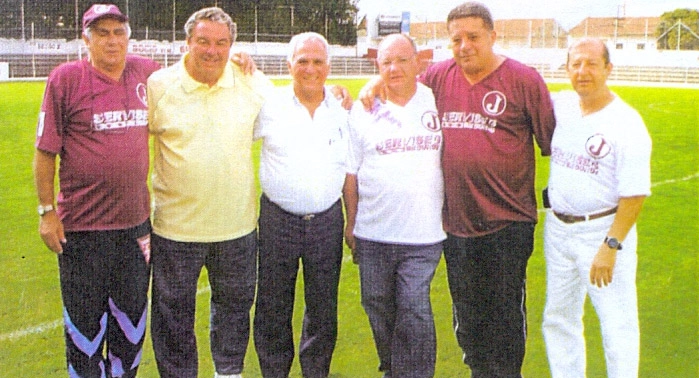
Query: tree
(682,22)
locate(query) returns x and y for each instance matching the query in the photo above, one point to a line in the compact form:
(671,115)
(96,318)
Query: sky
(568,13)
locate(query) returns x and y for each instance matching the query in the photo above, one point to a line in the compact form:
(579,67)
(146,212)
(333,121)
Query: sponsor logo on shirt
(430,121)
(119,119)
(573,161)
(409,144)
(474,121)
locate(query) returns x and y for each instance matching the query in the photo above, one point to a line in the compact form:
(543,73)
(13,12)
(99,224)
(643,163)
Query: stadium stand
(39,66)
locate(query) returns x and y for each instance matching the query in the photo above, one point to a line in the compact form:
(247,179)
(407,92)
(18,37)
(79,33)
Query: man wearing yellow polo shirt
(201,113)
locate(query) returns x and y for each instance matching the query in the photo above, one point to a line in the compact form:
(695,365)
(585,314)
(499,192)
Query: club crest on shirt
(494,103)
(597,147)
(430,120)
(141,93)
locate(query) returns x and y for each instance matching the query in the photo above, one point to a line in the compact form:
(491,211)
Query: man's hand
(245,62)
(372,89)
(349,236)
(51,231)
(602,269)
(341,93)
(350,241)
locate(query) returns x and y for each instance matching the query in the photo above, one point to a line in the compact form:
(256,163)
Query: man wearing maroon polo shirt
(94,117)
(491,108)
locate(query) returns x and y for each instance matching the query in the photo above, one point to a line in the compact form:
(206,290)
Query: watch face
(613,243)
(44,209)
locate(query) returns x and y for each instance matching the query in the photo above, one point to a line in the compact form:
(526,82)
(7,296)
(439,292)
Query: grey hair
(214,14)
(301,38)
(472,9)
(88,32)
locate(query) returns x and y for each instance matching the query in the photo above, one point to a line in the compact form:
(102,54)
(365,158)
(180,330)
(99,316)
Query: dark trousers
(395,283)
(104,284)
(176,268)
(285,239)
(487,277)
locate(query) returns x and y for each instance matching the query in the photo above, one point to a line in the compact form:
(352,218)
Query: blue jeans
(232,272)
(285,239)
(487,277)
(395,283)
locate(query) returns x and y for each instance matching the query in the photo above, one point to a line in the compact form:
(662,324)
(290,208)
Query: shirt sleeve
(540,109)
(354,153)
(49,133)
(263,119)
(633,159)
(261,84)
(154,93)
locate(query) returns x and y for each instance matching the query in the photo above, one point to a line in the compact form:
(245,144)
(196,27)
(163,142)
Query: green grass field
(31,333)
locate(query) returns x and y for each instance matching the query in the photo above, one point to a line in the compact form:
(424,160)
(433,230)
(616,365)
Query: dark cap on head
(99,11)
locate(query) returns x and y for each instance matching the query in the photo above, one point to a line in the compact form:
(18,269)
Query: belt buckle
(308,217)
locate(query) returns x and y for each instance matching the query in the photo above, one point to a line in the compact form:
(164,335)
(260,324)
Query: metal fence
(637,74)
(39,66)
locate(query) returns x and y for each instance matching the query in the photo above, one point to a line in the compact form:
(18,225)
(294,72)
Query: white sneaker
(217,375)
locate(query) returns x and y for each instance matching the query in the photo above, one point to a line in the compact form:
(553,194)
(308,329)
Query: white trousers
(569,250)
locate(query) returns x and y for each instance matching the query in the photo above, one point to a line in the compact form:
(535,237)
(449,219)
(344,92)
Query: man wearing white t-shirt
(393,196)
(600,176)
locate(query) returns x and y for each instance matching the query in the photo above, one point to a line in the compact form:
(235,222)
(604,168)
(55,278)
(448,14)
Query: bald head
(395,39)
(594,45)
(398,67)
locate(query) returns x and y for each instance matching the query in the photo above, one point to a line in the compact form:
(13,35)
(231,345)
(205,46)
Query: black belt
(304,217)
(565,218)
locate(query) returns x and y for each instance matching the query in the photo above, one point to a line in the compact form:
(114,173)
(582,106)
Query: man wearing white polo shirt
(303,129)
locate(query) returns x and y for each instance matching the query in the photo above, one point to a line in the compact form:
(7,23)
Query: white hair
(299,39)
(88,31)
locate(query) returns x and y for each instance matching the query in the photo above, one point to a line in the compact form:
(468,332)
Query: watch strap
(612,243)
(43,209)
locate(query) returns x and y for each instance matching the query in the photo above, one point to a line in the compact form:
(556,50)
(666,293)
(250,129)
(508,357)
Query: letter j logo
(597,147)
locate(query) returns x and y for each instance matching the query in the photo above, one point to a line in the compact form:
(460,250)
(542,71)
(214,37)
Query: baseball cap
(98,11)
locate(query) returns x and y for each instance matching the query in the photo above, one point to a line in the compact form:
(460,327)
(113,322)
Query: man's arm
(50,227)
(341,93)
(245,62)
(602,268)
(373,88)
(542,116)
(350,196)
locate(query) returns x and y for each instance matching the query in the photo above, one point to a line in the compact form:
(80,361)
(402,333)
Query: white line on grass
(44,327)
(666,182)
(41,328)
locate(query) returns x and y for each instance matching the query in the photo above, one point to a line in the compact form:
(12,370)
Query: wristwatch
(43,209)
(612,243)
